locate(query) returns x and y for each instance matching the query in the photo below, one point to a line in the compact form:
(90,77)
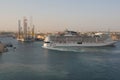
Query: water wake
(87,50)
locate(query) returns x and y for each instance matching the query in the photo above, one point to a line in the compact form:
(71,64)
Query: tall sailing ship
(25,35)
(74,39)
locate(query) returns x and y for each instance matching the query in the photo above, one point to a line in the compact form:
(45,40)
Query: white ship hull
(54,45)
(25,40)
(20,39)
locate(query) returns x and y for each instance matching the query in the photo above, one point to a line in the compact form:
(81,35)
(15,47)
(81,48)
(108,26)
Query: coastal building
(40,36)
(115,35)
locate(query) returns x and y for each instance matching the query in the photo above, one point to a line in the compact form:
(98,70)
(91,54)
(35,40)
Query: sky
(58,15)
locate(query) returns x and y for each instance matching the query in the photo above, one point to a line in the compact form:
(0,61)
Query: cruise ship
(75,39)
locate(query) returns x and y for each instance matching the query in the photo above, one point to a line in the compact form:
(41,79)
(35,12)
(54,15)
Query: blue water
(31,62)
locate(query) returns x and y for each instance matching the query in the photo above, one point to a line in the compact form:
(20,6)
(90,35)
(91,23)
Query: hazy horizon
(57,15)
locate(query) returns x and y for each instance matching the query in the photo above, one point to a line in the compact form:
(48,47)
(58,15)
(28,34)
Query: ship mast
(19,29)
(25,27)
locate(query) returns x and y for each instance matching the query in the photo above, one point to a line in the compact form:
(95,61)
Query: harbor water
(29,61)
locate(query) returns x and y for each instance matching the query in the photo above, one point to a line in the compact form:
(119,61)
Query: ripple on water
(9,70)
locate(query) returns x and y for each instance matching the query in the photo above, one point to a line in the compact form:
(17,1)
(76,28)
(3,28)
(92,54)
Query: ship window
(47,42)
(79,42)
